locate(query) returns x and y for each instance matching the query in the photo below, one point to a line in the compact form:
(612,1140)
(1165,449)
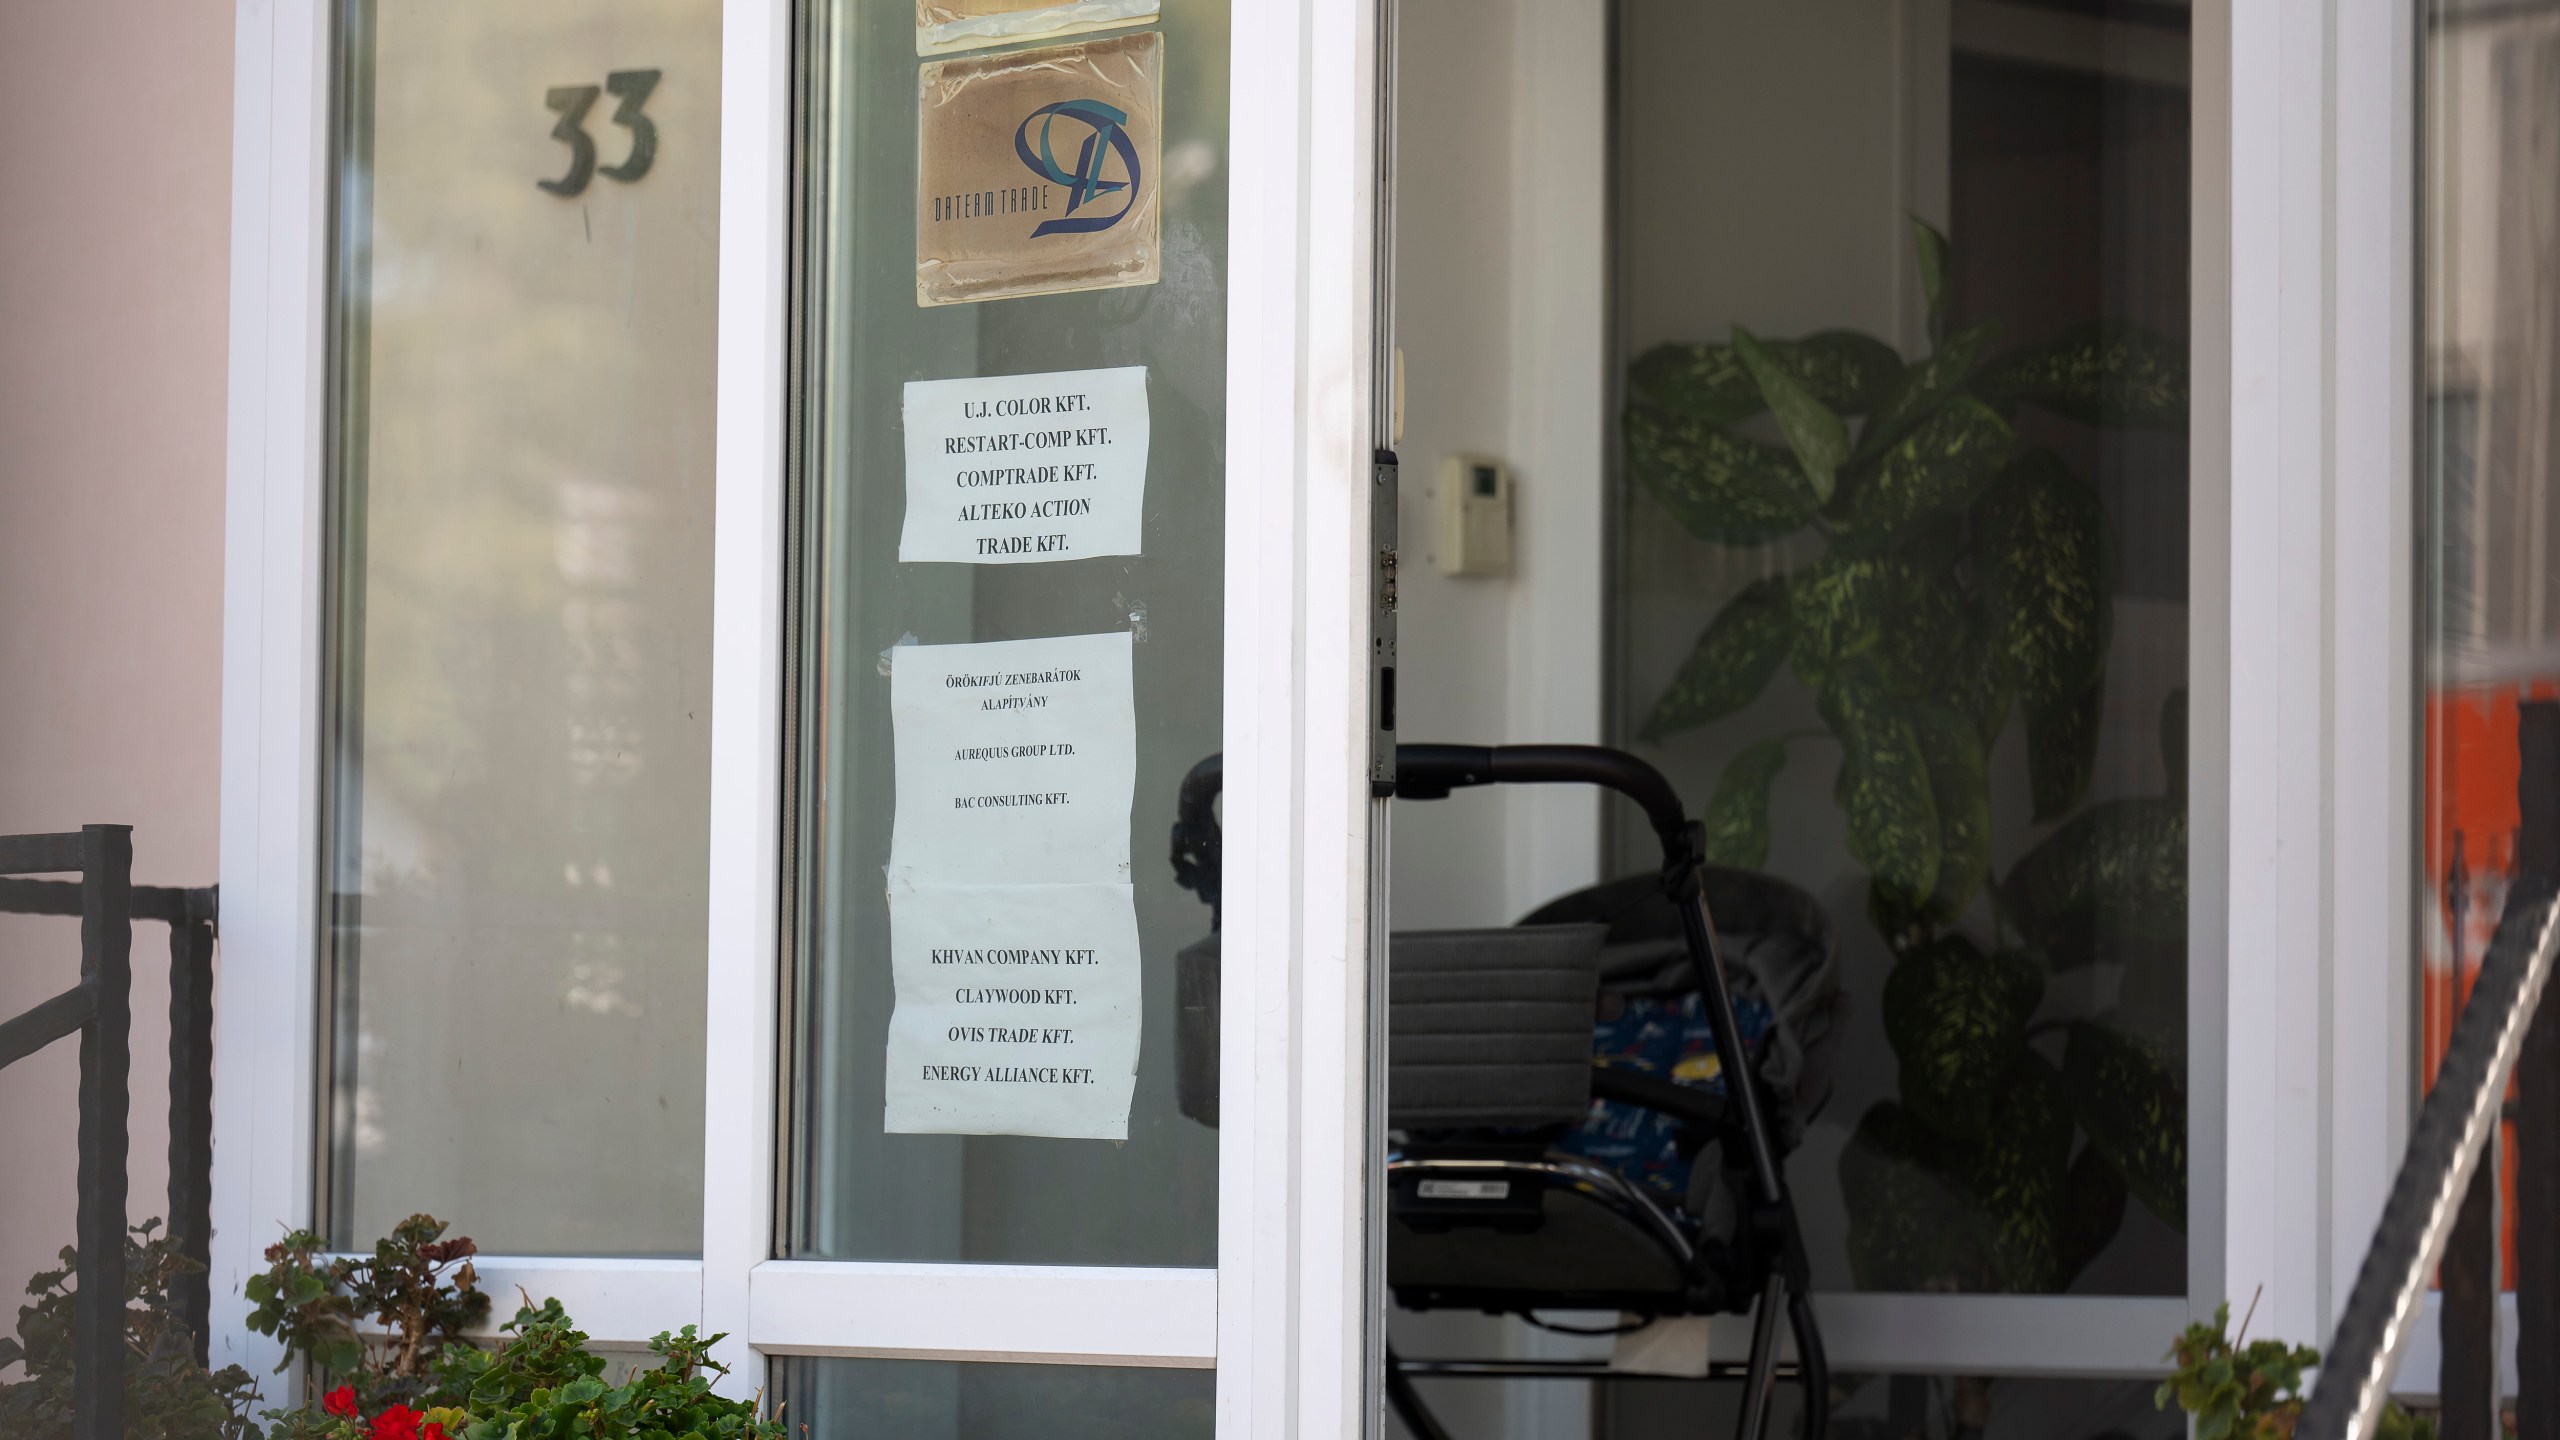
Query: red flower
(434,1431)
(341,1401)
(397,1423)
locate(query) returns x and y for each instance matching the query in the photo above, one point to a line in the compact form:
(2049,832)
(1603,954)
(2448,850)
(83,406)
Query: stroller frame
(1433,772)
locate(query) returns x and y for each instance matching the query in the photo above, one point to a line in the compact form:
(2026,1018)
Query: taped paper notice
(1019,469)
(1016,761)
(943,26)
(1013,930)
(1017,1013)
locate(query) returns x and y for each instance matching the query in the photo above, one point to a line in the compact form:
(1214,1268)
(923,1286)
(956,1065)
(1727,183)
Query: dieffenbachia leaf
(1912,1226)
(2115,870)
(1737,819)
(1837,608)
(2040,538)
(1819,438)
(2062,750)
(2019,1174)
(1924,626)
(1978,682)
(2105,372)
(1734,657)
(1956,1019)
(1884,784)
(2127,1094)
(1939,468)
(1917,390)
(1708,384)
(1719,486)
(1845,370)
(1700,384)
(1960,784)
(1934,265)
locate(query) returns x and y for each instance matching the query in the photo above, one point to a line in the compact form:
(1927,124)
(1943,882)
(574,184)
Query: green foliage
(2124,1089)
(1884,783)
(2104,373)
(2235,1391)
(2239,1389)
(2117,869)
(414,1373)
(1819,438)
(2041,541)
(1742,647)
(1960,572)
(1737,821)
(543,1382)
(417,1290)
(167,1396)
(1957,1019)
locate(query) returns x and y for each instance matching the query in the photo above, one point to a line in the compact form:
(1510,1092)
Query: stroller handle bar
(1430,772)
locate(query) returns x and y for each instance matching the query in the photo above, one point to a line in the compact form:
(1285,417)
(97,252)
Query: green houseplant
(1959,575)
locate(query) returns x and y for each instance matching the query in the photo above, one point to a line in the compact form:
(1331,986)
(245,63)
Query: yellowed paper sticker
(1038,171)
(945,27)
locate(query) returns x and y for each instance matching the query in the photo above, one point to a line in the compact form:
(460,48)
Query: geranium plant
(388,1340)
(167,1395)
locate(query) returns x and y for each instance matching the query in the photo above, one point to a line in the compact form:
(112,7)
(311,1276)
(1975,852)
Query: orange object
(2469,850)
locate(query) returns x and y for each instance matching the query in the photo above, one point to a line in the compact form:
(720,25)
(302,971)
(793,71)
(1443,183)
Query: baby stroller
(1525,1174)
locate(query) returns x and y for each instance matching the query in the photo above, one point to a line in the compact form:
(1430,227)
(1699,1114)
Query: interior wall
(1454,310)
(1501,214)
(115,209)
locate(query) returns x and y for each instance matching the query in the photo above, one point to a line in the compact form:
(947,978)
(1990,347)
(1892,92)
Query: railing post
(2467,1373)
(2538,1101)
(191,1113)
(106,968)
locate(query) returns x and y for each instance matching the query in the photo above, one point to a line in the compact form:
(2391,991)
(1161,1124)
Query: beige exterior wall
(115,204)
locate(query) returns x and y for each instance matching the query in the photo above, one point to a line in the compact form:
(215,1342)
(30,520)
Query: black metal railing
(100,1010)
(2442,1209)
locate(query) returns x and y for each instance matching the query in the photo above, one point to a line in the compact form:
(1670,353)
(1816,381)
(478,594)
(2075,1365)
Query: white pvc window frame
(2302,709)
(1281,1318)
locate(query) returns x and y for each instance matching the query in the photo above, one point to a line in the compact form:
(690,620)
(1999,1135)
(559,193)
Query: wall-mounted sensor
(1475,516)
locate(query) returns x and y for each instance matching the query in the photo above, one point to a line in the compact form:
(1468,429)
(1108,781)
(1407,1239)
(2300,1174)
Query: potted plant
(1963,576)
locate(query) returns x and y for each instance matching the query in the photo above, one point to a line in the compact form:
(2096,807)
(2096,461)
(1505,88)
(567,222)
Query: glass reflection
(1902,600)
(862,1192)
(521,565)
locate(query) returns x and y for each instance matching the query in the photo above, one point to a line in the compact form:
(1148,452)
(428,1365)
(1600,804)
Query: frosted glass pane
(521,569)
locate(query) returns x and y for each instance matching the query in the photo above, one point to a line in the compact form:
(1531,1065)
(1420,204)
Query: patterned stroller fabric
(1777,947)
(1665,1036)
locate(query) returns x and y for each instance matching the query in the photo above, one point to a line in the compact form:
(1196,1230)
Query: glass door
(1017,1122)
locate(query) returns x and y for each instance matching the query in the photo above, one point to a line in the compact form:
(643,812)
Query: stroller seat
(1527,1172)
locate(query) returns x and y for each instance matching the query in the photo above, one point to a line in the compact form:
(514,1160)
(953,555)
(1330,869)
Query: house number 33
(571,103)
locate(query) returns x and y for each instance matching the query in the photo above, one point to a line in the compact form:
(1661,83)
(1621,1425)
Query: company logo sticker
(1036,171)
(1106,139)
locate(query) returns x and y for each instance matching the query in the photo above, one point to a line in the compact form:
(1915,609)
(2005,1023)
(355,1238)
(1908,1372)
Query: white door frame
(1282,1318)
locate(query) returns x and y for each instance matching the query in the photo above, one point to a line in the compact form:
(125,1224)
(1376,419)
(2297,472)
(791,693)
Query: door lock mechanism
(1382,625)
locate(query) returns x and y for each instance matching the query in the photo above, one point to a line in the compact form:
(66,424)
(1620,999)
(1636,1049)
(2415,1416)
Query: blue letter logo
(1085,183)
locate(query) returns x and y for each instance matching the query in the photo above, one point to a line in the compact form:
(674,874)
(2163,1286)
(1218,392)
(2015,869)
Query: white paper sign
(1018,1010)
(1016,761)
(1013,930)
(1020,469)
